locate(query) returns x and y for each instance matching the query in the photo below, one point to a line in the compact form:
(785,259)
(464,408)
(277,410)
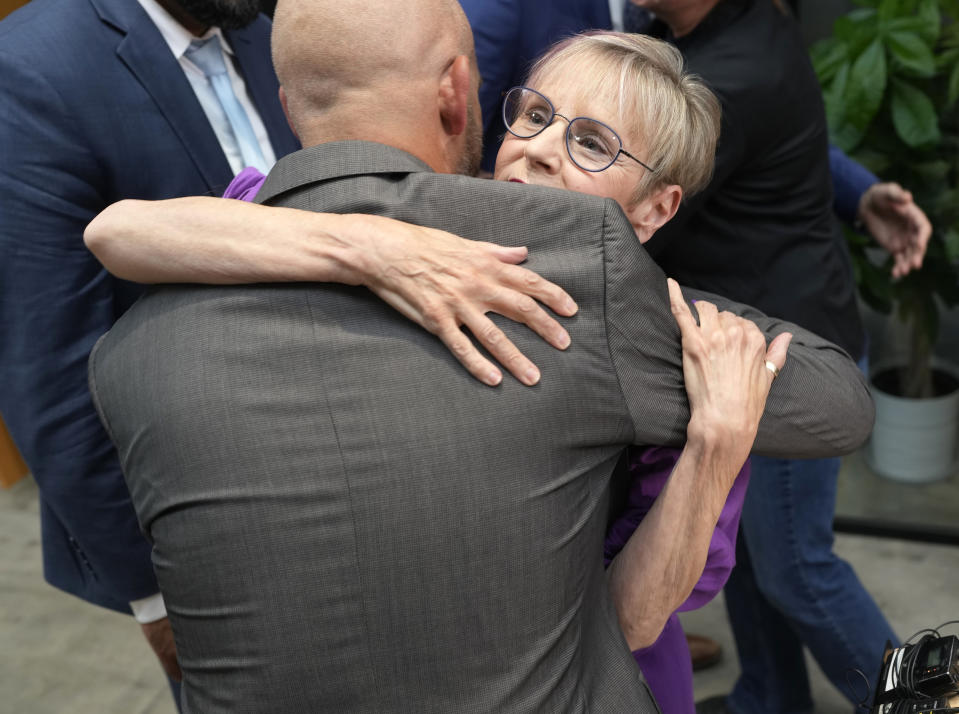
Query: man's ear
(286,112)
(648,215)
(454,96)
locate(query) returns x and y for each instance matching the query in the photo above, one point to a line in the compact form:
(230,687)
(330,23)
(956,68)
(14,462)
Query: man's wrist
(148,609)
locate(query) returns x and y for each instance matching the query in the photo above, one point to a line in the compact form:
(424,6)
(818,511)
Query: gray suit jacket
(344,520)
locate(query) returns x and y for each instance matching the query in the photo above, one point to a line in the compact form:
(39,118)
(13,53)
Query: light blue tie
(207,55)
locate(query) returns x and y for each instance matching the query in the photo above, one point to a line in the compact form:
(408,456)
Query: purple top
(651,468)
(245,185)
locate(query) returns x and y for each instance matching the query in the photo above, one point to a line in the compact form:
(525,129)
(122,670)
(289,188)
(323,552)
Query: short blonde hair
(673,112)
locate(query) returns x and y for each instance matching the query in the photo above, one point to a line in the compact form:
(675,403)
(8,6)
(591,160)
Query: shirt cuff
(148,609)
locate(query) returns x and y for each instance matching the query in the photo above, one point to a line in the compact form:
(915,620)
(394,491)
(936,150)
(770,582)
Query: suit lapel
(256,66)
(148,57)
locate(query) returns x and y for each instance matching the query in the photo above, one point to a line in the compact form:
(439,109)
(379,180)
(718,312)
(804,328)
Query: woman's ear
(648,215)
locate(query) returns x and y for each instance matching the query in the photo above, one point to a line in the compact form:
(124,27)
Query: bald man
(342,519)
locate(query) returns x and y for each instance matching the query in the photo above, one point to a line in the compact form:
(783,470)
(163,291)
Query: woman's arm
(438,280)
(724,364)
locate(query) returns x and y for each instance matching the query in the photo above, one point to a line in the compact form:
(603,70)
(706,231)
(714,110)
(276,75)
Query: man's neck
(414,144)
(194,26)
(684,18)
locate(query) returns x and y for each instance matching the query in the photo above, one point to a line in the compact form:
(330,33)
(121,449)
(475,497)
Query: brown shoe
(705,652)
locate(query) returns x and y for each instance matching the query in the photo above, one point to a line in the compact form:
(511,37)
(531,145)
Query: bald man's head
(375,71)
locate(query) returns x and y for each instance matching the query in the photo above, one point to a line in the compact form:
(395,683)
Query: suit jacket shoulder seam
(607,323)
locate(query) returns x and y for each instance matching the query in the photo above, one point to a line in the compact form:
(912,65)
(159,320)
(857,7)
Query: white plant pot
(914,440)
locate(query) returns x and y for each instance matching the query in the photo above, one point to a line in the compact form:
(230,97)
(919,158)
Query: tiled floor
(59,655)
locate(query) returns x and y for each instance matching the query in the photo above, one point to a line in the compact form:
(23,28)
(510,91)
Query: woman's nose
(547,149)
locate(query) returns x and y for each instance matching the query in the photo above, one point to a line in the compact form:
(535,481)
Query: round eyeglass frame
(569,125)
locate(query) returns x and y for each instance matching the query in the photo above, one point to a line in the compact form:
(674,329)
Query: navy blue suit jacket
(95,109)
(509,36)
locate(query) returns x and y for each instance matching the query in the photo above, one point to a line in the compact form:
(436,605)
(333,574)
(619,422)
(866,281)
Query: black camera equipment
(920,677)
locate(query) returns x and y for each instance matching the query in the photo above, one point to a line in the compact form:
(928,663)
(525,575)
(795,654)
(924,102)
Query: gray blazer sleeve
(819,406)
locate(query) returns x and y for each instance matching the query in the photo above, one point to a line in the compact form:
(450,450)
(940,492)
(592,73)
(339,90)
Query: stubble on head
(343,82)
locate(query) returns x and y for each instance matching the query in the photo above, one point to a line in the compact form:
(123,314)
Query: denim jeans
(789,589)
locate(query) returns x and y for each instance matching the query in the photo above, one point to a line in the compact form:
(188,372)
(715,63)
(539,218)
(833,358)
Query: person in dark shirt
(763,232)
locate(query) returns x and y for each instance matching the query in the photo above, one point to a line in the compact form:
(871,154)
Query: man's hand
(442,282)
(160,636)
(897,223)
(727,379)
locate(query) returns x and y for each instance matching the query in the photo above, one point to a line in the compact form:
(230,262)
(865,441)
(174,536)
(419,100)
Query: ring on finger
(772,368)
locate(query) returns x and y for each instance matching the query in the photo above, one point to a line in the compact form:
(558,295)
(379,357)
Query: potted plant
(890,77)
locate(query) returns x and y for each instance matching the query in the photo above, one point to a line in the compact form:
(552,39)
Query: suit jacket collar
(145,53)
(143,50)
(334,160)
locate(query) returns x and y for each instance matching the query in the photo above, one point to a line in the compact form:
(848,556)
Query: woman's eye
(592,143)
(536,116)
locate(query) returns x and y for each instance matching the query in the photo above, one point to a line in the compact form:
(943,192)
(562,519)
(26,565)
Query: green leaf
(950,8)
(953,84)
(857,239)
(846,137)
(901,24)
(950,34)
(841,132)
(912,53)
(874,285)
(834,97)
(931,18)
(856,30)
(827,57)
(947,58)
(913,115)
(888,9)
(867,84)
(947,279)
(873,159)
(932,171)
(951,242)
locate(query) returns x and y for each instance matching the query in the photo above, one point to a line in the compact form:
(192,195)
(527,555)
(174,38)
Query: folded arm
(728,382)
(436,279)
(820,406)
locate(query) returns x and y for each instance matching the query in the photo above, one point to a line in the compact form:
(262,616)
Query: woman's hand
(443,282)
(727,378)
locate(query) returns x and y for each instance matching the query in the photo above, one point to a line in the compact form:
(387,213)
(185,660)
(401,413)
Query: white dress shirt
(616,13)
(178,38)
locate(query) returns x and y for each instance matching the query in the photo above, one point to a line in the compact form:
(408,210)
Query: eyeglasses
(591,145)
